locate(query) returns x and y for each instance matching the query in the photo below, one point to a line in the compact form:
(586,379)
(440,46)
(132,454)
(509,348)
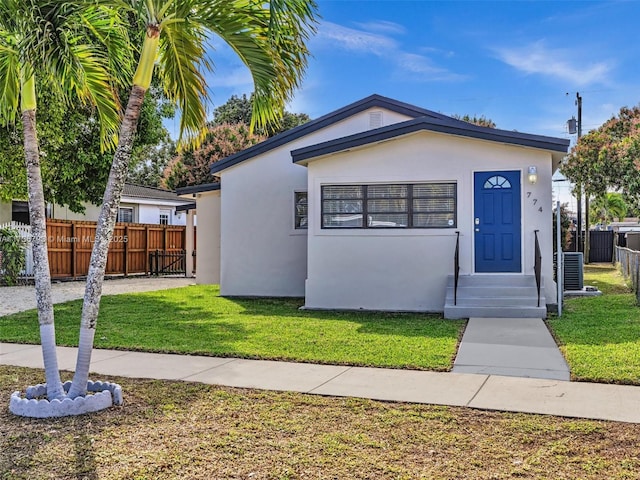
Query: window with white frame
(125,214)
(421,205)
(165,216)
(301,213)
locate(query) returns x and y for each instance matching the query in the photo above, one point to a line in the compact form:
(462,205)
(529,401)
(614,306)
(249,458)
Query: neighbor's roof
(138,191)
(373,101)
(446,125)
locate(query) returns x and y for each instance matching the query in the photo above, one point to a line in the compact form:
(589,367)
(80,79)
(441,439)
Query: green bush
(12,256)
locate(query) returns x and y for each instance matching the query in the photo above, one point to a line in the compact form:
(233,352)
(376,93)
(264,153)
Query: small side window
(125,214)
(301,215)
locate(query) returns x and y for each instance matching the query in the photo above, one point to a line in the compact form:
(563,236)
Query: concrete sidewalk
(489,392)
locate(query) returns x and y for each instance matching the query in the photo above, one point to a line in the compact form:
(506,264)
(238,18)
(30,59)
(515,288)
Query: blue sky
(511,61)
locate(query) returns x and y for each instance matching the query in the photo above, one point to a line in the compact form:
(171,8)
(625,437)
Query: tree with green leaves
(73,161)
(481,121)
(193,166)
(239,109)
(71,49)
(269,37)
(606,208)
(608,157)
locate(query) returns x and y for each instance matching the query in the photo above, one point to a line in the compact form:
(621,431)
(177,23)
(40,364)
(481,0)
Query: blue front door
(497,221)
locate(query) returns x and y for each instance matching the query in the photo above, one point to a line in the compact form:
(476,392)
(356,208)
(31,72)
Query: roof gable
(445,125)
(373,101)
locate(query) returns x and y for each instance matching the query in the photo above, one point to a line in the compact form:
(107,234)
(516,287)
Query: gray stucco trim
(451,127)
(205,187)
(373,101)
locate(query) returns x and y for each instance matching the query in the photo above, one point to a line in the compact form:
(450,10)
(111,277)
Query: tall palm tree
(61,45)
(268,36)
(605,208)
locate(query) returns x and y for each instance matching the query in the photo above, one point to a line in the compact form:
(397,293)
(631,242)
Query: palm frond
(9,79)
(182,61)
(270,38)
(77,46)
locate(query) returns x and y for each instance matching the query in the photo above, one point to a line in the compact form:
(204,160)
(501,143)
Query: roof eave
(193,189)
(303,155)
(372,101)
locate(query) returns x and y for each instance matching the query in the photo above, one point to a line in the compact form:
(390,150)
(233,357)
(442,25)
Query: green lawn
(600,336)
(196,320)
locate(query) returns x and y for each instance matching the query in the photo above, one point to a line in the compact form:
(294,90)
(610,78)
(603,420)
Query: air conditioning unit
(573,271)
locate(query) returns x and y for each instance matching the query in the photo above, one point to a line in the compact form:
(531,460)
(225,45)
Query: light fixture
(533,174)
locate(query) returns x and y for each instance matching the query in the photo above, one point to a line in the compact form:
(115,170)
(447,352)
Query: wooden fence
(70,244)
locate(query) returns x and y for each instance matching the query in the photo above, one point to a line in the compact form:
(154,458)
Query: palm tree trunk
(42,274)
(104,233)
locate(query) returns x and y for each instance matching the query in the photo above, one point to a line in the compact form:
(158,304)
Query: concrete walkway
(489,392)
(517,347)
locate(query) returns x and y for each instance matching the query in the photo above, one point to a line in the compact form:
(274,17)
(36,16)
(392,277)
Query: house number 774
(534,200)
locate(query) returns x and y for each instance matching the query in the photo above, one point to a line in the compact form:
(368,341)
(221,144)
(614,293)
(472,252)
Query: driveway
(16,299)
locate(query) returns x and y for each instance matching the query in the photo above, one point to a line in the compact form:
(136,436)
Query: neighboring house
(138,205)
(360,209)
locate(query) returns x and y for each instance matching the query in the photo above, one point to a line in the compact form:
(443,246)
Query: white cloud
(420,65)
(355,40)
(383,26)
(412,66)
(537,58)
(237,77)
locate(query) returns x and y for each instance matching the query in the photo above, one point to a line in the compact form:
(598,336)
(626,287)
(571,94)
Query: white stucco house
(138,205)
(363,208)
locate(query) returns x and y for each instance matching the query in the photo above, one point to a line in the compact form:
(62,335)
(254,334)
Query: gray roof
(372,101)
(138,191)
(447,125)
(422,119)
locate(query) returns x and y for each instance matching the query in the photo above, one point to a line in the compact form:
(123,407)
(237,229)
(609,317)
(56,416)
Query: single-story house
(138,205)
(376,206)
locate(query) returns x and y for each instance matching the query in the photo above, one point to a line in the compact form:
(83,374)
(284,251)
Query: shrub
(12,256)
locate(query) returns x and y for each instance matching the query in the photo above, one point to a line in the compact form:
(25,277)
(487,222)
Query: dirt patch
(174,430)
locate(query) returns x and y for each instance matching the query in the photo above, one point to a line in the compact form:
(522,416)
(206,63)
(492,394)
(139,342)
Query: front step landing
(494,296)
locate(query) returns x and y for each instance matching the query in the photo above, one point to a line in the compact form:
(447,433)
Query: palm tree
(55,43)
(269,37)
(606,208)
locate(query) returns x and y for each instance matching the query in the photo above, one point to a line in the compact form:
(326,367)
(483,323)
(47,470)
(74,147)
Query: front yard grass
(600,336)
(178,430)
(196,320)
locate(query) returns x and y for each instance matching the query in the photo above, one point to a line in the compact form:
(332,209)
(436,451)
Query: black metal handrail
(537,266)
(456,269)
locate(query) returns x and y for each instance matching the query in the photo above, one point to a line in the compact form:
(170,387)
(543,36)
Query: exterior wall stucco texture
(407,270)
(5,212)
(262,253)
(208,253)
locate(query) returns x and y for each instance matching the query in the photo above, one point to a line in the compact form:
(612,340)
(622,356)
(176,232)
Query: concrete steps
(494,296)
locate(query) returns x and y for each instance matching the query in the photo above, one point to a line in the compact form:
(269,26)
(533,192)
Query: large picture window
(422,205)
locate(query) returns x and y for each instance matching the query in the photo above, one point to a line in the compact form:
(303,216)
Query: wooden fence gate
(70,243)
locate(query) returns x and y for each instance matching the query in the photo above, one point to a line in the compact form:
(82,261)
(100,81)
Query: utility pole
(576,127)
(587,243)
